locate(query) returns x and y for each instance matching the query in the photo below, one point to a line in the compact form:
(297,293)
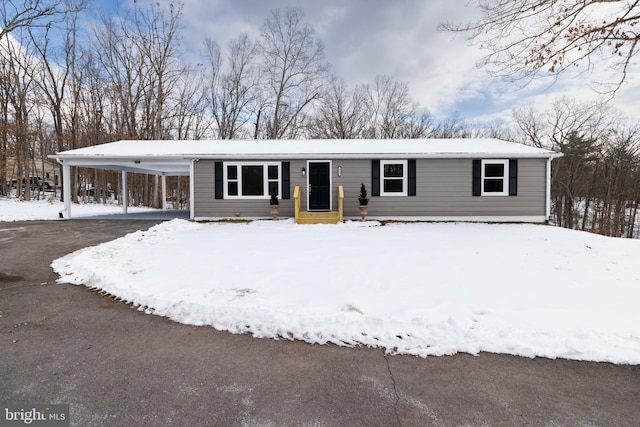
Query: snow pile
(13,209)
(420,289)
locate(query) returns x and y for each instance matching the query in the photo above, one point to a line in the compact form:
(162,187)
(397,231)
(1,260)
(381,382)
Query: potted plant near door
(273,201)
(364,201)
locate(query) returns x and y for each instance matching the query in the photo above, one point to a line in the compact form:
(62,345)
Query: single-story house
(435,179)
(42,172)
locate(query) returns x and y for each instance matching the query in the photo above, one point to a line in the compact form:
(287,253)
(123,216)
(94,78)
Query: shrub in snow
(362,198)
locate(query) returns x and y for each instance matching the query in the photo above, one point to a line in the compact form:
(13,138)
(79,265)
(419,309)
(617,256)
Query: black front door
(319,186)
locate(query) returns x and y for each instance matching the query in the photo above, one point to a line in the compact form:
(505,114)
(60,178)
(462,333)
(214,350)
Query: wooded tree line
(596,184)
(125,78)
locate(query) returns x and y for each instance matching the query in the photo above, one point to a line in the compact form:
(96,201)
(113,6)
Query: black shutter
(375,177)
(219,183)
(286,181)
(477,178)
(513,177)
(411,190)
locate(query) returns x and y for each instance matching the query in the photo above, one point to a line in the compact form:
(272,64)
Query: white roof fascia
(84,159)
(303,156)
(122,153)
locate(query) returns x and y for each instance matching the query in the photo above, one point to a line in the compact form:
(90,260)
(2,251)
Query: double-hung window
(393,174)
(495,178)
(251,180)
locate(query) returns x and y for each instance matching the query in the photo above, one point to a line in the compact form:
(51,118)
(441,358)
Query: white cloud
(366,38)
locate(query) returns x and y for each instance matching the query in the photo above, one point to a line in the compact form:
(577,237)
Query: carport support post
(66,179)
(164,192)
(125,191)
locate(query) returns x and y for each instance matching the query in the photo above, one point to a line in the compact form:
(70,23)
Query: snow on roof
(175,157)
(290,149)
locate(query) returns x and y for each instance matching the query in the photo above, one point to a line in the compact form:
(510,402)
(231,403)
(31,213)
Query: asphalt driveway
(116,366)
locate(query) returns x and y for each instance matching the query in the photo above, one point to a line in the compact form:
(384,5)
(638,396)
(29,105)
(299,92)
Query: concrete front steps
(318,218)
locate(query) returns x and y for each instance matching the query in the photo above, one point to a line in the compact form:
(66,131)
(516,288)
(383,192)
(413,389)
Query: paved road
(117,366)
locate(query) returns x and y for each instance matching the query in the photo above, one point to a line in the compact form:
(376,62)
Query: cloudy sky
(399,38)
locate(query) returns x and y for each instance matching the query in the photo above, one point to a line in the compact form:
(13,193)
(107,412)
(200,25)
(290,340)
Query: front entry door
(319,186)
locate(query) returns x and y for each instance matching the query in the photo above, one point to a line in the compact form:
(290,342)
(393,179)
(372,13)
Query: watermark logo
(34,415)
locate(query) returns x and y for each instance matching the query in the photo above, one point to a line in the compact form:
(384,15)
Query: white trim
(148,151)
(236,218)
(505,178)
(548,190)
(164,192)
(192,199)
(486,219)
(66,179)
(330,183)
(405,180)
(125,191)
(265,183)
(524,218)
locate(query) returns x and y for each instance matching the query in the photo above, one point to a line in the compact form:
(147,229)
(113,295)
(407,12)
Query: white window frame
(405,174)
(505,178)
(266,180)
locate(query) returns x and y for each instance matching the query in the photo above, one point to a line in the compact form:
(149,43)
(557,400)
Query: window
(251,180)
(394,177)
(232,180)
(495,175)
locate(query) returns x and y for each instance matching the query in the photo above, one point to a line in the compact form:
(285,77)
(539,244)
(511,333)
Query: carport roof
(175,157)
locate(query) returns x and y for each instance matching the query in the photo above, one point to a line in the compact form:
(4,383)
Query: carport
(146,157)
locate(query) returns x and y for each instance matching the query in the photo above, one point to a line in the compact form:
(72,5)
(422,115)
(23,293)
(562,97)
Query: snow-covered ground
(421,288)
(13,209)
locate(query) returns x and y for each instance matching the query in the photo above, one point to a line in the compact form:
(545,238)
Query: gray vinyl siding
(207,206)
(443,189)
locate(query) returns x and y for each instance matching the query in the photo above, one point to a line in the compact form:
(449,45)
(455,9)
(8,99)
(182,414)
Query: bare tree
(189,117)
(617,202)
(450,127)
(157,39)
(19,100)
(388,101)
(341,114)
(526,38)
(594,185)
(497,128)
(576,130)
(158,32)
(417,123)
(55,71)
(89,122)
(27,14)
(294,70)
(140,59)
(233,90)
(125,75)
(393,114)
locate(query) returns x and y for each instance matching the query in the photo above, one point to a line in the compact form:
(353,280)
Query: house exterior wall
(46,170)
(443,189)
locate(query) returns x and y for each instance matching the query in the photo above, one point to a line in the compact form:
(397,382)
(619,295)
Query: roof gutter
(296,156)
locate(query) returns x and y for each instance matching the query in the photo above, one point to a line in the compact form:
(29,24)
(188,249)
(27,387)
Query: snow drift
(421,288)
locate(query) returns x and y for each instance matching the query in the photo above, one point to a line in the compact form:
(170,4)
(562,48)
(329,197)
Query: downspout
(548,192)
(192,190)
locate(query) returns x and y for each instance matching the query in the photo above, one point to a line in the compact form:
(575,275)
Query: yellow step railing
(296,203)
